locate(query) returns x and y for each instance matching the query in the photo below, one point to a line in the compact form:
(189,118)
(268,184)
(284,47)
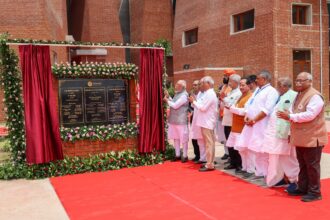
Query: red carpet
(179,191)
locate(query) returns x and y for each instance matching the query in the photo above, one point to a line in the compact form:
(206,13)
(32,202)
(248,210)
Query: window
(301,14)
(190,37)
(243,21)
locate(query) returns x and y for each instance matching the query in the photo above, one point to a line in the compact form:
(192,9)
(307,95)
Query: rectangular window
(243,21)
(301,14)
(191,36)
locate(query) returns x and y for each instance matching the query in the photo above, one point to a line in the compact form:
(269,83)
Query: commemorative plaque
(93,101)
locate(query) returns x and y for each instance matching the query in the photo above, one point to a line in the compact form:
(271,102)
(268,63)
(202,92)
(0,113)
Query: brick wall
(98,21)
(268,46)
(36,19)
(85,148)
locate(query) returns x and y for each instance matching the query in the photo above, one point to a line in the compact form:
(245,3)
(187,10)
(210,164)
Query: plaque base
(85,148)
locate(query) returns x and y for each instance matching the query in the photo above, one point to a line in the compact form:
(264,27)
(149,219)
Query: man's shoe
(296,192)
(239,171)
(176,159)
(184,159)
(199,162)
(281,183)
(195,159)
(230,167)
(224,157)
(205,169)
(292,187)
(310,198)
(247,175)
(227,162)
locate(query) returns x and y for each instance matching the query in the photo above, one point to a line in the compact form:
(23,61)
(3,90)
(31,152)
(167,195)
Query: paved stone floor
(27,199)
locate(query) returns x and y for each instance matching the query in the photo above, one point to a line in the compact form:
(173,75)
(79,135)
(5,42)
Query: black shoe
(205,169)
(296,192)
(230,167)
(224,157)
(310,198)
(281,183)
(239,171)
(199,162)
(176,159)
(184,159)
(247,175)
(227,162)
(195,159)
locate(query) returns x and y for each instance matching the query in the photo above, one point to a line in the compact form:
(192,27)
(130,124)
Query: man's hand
(165,99)
(191,99)
(166,94)
(283,115)
(248,121)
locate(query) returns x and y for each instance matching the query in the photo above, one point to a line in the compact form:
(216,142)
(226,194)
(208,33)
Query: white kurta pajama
(196,132)
(207,118)
(282,155)
(233,140)
(263,100)
(179,132)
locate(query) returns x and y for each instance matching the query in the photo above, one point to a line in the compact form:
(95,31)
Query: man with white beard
(207,118)
(258,110)
(282,155)
(178,120)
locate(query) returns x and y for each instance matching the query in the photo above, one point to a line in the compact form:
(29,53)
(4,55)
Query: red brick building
(282,36)
(124,21)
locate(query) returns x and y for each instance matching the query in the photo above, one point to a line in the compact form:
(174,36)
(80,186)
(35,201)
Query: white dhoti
(251,139)
(282,156)
(280,165)
(180,135)
(202,151)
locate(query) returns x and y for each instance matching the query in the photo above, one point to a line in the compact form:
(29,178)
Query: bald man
(309,135)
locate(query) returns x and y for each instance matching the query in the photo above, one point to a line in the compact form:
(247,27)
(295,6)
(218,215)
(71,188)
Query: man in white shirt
(178,120)
(227,121)
(258,110)
(196,131)
(207,118)
(282,155)
(309,135)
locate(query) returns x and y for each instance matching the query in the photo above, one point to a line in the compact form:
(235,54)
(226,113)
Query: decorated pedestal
(96,104)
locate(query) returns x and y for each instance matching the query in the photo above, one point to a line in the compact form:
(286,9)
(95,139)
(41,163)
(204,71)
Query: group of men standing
(274,134)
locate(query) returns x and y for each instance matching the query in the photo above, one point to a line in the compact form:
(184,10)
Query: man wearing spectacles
(309,135)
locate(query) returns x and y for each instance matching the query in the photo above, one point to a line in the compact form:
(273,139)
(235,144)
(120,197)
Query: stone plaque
(88,101)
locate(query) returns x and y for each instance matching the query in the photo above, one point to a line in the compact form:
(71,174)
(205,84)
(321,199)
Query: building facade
(282,36)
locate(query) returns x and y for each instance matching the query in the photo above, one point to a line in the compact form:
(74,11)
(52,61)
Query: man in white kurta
(227,121)
(207,117)
(196,131)
(282,155)
(258,110)
(178,120)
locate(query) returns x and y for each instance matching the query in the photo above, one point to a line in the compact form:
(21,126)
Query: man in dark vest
(309,135)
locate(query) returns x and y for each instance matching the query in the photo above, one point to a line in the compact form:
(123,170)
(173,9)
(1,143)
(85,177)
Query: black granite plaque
(71,106)
(98,101)
(117,103)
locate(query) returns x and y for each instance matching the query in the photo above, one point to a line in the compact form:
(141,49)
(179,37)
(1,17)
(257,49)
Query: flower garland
(82,43)
(74,165)
(100,132)
(95,70)
(11,83)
